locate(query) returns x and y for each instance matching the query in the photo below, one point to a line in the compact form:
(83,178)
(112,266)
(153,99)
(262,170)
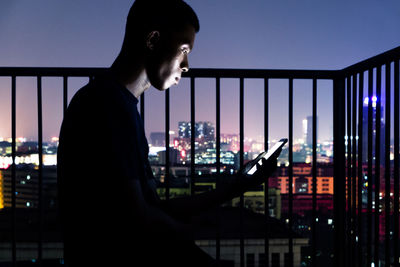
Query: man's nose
(185,64)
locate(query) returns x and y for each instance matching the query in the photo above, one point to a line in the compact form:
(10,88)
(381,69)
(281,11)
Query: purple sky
(311,34)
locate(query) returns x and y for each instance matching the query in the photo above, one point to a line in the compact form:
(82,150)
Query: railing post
(314,176)
(266,186)
(167,150)
(388,243)
(241,161)
(396,166)
(360,224)
(377,163)
(290,173)
(218,163)
(338,170)
(14,169)
(40,170)
(192,136)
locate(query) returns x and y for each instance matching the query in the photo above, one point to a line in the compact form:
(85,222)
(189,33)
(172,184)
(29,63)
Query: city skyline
(256,35)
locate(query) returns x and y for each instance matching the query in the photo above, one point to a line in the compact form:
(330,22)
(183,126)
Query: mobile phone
(266,155)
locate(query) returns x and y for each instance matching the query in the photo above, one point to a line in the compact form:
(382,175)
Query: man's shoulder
(97,94)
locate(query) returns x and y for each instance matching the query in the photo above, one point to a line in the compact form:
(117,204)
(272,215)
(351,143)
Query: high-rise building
(302,179)
(202,130)
(157,138)
(308,130)
(365,130)
(26,189)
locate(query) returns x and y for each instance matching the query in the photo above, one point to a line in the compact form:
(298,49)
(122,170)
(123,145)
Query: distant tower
(308,130)
(184,129)
(157,139)
(365,130)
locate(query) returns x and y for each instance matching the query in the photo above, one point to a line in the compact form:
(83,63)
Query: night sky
(255,34)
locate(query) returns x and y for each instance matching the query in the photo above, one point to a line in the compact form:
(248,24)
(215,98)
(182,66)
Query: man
(112,214)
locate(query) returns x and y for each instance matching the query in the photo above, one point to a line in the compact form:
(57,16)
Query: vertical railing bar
(369,190)
(360,169)
(290,172)
(13,170)
(65,94)
(396,165)
(40,170)
(338,170)
(266,185)
(192,135)
(142,107)
(314,174)
(218,162)
(377,161)
(349,167)
(387,165)
(167,160)
(354,171)
(241,207)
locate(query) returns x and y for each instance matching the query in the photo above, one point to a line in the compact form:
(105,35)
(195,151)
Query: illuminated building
(27,153)
(365,130)
(303,185)
(26,147)
(202,130)
(5,148)
(27,191)
(157,139)
(303,188)
(230,142)
(308,130)
(302,179)
(1,191)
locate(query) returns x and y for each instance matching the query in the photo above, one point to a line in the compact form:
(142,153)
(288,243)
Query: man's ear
(152,39)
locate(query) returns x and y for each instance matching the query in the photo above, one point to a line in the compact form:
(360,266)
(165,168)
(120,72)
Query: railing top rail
(50,71)
(262,73)
(194,72)
(367,64)
(373,62)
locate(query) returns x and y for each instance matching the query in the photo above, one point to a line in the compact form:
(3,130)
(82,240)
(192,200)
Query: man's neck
(132,76)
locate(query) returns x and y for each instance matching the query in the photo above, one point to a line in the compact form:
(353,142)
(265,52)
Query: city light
(374,100)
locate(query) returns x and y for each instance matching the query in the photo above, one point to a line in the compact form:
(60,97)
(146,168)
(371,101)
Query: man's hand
(264,169)
(245,181)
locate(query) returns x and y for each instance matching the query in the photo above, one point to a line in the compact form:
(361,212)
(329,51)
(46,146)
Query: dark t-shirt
(103,146)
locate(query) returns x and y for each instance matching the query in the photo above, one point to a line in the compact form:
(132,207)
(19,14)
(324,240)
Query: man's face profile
(168,56)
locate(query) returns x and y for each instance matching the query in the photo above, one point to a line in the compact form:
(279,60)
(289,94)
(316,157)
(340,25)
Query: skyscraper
(365,130)
(202,130)
(308,130)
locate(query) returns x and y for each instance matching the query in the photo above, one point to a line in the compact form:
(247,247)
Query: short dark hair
(160,15)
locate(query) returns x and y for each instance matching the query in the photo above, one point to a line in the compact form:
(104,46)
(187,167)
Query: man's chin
(167,86)
(162,88)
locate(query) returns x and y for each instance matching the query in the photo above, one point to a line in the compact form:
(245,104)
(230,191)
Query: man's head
(163,31)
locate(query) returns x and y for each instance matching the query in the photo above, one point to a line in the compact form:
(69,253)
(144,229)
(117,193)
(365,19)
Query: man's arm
(185,207)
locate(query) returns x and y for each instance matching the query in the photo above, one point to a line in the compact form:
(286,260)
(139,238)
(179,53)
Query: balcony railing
(356,223)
